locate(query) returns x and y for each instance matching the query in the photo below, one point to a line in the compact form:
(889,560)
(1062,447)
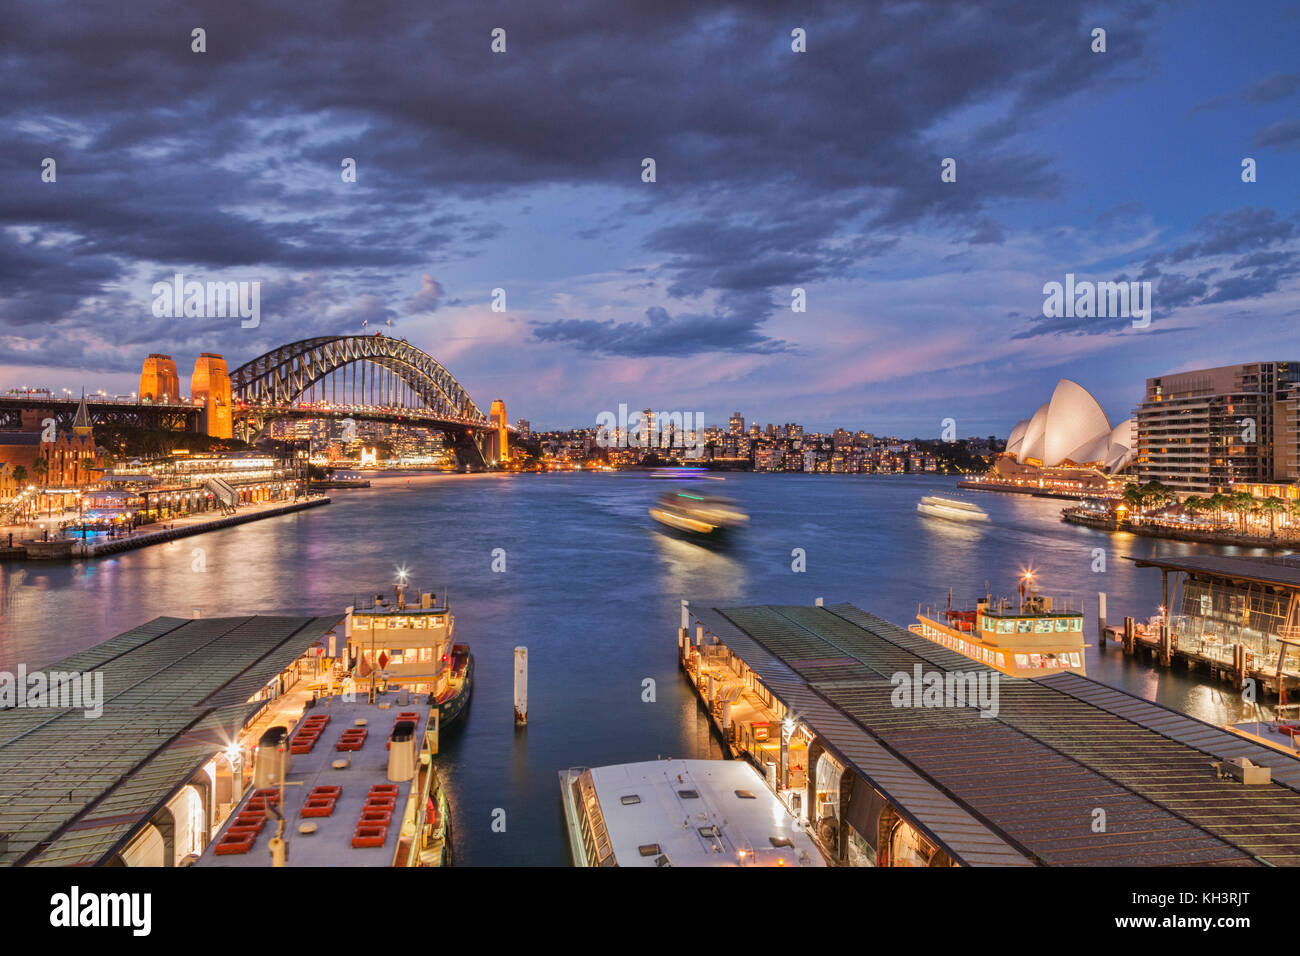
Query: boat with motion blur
(698,515)
(950,508)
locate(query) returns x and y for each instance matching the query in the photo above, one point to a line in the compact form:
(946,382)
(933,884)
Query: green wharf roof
(74,789)
(1021,787)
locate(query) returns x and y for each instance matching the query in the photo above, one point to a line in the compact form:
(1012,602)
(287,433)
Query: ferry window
(630,799)
(1043,626)
(1006,627)
(780,841)
(746,794)
(688,794)
(1076,624)
(1062,623)
(1024,627)
(1022,660)
(648,849)
(381,624)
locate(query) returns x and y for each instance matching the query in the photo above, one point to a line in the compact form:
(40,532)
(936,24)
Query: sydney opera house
(1067,442)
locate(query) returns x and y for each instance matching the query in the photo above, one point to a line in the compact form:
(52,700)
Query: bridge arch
(282,375)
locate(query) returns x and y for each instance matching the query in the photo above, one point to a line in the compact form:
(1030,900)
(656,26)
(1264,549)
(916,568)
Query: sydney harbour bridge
(364,378)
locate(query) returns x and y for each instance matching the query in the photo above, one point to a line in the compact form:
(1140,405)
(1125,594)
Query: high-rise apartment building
(736,426)
(1212,429)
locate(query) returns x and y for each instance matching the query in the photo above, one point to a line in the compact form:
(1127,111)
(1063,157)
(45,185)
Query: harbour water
(593,590)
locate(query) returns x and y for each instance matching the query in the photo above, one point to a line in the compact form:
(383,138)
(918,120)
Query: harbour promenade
(34,545)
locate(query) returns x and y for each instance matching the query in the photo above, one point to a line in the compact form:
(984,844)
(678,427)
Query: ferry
(411,645)
(951,509)
(697,515)
(353,784)
(1028,637)
(680,813)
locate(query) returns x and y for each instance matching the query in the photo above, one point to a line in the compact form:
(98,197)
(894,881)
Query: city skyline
(472,176)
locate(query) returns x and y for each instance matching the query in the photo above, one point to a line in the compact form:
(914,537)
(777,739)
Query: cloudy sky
(775,170)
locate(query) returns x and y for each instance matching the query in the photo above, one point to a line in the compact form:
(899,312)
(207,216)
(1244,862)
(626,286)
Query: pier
(1062,770)
(62,548)
(1236,619)
(148,780)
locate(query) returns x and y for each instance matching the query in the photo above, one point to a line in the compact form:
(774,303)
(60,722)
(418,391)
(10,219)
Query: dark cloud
(1282,134)
(662,334)
(1262,239)
(773,168)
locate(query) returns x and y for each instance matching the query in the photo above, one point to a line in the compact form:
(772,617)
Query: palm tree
(42,468)
(1216,503)
(1193,504)
(1271,506)
(1243,502)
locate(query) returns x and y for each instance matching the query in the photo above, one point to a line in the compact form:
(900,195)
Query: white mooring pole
(521,686)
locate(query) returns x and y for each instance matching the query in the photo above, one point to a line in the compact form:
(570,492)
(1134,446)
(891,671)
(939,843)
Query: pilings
(521,686)
(1101,619)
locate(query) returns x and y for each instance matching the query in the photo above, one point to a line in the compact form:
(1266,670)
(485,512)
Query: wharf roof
(1280,572)
(331,843)
(1022,786)
(74,788)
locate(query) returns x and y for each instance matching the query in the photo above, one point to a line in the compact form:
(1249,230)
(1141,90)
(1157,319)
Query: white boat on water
(951,509)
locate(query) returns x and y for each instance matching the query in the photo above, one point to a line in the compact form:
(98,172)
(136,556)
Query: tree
(20,476)
(1133,497)
(42,468)
(1193,505)
(1271,506)
(1243,502)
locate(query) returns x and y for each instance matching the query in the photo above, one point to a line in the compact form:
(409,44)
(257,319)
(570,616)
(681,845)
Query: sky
(775,170)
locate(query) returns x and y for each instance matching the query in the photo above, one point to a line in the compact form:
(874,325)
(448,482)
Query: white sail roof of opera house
(1071,428)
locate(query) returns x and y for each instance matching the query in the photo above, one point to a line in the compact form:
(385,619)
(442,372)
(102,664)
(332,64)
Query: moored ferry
(1029,637)
(680,813)
(353,784)
(950,508)
(412,646)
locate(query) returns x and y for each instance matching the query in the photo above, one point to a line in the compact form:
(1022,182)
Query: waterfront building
(828,704)
(148,782)
(1286,436)
(1211,429)
(736,425)
(1070,430)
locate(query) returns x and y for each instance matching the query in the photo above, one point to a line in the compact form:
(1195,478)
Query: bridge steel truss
(168,417)
(280,376)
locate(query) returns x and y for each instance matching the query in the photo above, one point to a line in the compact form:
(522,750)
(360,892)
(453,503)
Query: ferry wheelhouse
(1028,637)
(412,646)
